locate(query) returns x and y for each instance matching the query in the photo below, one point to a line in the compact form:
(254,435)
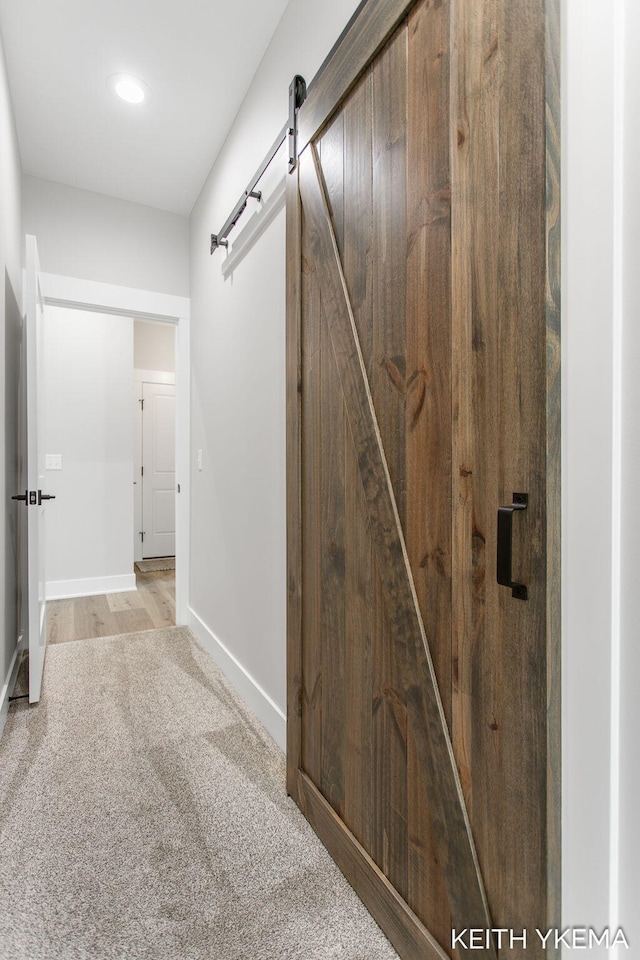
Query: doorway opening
(109,440)
(155,488)
(154,368)
(154,440)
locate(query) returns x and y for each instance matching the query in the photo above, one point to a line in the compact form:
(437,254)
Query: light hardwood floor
(152,605)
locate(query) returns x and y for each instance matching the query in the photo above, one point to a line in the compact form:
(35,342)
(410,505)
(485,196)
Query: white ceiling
(197,56)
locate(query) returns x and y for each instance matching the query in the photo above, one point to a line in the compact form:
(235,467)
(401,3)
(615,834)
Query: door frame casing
(371,26)
(91,295)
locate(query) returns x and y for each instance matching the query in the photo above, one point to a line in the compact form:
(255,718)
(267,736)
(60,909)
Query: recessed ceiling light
(128,88)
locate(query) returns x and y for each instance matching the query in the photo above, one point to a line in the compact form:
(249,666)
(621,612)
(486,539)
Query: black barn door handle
(505,544)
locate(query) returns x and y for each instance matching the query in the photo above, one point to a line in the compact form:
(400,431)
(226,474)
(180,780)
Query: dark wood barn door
(423,347)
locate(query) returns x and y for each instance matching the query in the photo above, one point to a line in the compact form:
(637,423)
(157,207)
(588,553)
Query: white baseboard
(259,702)
(9,684)
(90,586)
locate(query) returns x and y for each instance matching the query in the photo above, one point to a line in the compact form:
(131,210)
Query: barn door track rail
(297,96)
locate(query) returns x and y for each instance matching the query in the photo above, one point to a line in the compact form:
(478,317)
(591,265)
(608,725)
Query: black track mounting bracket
(297,96)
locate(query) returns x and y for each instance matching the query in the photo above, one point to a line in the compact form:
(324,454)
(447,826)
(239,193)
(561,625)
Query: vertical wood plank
(428,424)
(359,586)
(332,572)
(478,660)
(521,841)
(359,767)
(499,401)
(474,151)
(332,427)
(330,149)
(388,374)
(389,710)
(387,377)
(358,211)
(311,466)
(429,328)
(294,488)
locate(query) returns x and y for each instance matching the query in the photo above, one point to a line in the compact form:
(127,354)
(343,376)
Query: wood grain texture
(499,401)
(159,597)
(430,300)
(477,657)
(359,570)
(294,487)
(428,267)
(428,416)
(312,538)
(522,450)
(369,31)
(60,616)
(358,210)
(330,147)
(410,938)
(149,607)
(466,893)
(332,429)
(392,385)
(131,621)
(359,779)
(92,618)
(384,352)
(122,601)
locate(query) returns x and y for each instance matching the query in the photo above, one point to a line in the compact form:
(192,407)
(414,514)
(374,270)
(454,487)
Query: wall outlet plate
(53,461)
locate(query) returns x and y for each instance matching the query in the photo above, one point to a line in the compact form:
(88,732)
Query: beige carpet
(143,816)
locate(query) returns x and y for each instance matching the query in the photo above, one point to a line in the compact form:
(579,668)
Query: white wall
(154,345)
(238,557)
(89,421)
(588,96)
(601,453)
(95,237)
(11,257)
(629,823)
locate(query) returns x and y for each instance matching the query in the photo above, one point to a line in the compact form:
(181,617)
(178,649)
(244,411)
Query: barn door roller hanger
(297,96)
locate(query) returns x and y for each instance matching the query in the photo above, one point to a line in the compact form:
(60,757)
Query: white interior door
(36,497)
(158,470)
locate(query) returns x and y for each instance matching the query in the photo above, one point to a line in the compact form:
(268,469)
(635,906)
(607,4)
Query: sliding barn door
(423,380)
